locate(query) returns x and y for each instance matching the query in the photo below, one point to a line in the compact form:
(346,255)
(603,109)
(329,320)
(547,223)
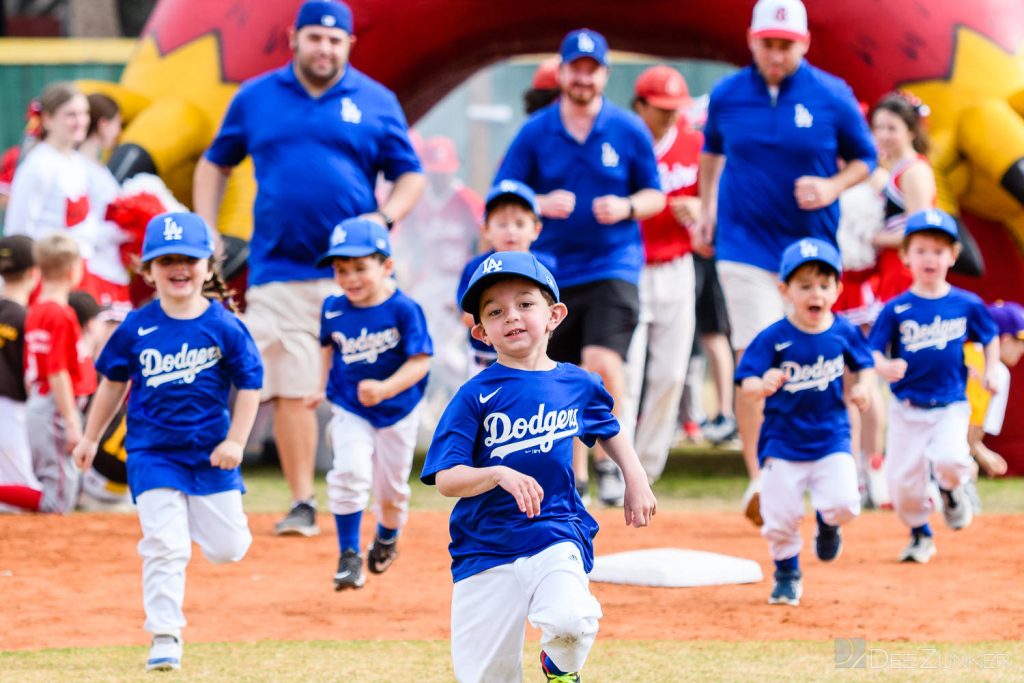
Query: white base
(674,568)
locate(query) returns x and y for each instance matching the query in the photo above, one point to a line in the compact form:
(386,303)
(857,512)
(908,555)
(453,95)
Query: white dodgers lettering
(368,346)
(937,334)
(540,430)
(159,368)
(818,376)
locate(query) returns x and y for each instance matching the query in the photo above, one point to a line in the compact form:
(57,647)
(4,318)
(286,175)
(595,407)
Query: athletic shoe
(165,654)
(300,521)
(920,549)
(583,489)
(573,677)
(752,502)
(350,571)
(828,541)
(381,554)
(611,489)
(720,430)
(788,588)
(956,508)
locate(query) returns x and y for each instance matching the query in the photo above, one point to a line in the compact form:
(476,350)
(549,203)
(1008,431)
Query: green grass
(694,479)
(429,662)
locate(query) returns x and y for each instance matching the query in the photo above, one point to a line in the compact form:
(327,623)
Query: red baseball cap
(663,87)
(785,19)
(546,75)
(439,155)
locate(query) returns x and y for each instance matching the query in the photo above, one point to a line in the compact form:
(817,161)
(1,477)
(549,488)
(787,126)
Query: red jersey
(678,155)
(53,342)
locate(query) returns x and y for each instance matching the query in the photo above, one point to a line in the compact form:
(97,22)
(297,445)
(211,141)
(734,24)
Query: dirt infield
(75,582)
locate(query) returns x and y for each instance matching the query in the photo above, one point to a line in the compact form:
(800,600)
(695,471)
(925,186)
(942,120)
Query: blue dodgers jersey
(815,121)
(479,347)
(181,374)
(930,334)
(372,343)
(617,158)
(526,421)
(806,418)
(316,162)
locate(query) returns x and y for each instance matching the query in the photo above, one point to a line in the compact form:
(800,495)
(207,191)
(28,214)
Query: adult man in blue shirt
(781,124)
(319,131)
(592,165)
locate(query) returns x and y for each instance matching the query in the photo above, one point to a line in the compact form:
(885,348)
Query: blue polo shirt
(316,162)
(930,335)
(617,158)
(814,121)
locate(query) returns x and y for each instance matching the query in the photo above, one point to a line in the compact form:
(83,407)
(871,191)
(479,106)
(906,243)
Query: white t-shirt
(49,194)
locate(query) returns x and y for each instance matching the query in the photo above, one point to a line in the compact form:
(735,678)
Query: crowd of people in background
(671,241)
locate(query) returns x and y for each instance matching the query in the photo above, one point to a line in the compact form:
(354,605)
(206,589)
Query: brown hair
(911,111)
(56,255)
(101,108)
(214,288)
(55,96)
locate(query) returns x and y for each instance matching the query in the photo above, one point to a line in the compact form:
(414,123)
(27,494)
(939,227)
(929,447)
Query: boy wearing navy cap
(511,223)
(923,332)
(522,541)
(376,356)
(796,365)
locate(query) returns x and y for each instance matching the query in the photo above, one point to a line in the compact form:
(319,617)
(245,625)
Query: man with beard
(319,131)
(593,168)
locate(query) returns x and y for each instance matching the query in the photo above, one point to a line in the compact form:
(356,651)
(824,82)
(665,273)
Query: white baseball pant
(657,360)
(170,521)
(918,442)
(51,460)
(15,455)
(490,609)
(368,459)
(832,483)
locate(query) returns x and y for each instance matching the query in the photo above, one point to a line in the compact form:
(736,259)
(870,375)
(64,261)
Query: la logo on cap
(339,235)
(585,43)
(492,265)
(808,249)
(507,186)
(328,20)
(172,231)
(932,217)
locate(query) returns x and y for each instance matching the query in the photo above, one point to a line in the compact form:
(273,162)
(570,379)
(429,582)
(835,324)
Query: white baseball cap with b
(785,19)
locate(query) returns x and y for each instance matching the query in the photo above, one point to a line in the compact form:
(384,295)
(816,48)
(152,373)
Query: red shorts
(894,278)
(114,299)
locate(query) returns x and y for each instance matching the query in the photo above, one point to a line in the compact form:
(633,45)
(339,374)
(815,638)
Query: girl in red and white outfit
(50,189)
(897,122)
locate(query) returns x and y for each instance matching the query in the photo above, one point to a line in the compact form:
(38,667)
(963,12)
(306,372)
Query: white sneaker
(920,549)
(956,508)
(165,654)
(752,502)
(611,489)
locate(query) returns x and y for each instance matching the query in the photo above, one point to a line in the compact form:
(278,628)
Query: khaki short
(284,320)
(752,299)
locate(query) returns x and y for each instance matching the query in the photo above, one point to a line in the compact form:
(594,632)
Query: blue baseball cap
(512,188)
(504,264)
(932,219)
(356,237)
(182,234)
(326,13)
(584,43)
(806,251)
